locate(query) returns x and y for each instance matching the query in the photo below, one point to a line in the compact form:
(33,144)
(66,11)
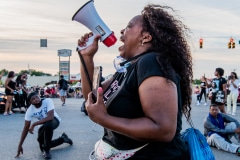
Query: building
(42,80)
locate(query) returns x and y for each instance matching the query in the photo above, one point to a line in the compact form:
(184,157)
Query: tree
(35,73)
(4,71)
(32,72)
(197,81)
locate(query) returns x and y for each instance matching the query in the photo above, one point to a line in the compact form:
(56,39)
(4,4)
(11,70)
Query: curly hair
(169,39)
(220,71)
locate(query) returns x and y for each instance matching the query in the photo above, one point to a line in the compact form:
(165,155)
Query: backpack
(64,85)
(198,146)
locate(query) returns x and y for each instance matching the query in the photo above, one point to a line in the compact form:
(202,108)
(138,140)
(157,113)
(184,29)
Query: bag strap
(86,72)
(190,122)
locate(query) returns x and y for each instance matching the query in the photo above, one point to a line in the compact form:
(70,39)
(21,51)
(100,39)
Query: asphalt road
(80,129)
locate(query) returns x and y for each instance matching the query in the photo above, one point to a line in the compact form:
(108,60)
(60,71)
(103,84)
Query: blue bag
(198,146)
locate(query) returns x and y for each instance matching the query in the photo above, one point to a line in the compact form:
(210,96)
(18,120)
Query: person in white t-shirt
(44,111)
(232,84)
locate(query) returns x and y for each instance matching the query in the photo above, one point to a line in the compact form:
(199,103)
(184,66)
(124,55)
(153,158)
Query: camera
(230,77)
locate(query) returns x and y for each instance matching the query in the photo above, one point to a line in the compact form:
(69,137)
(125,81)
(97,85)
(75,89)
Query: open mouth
(121,47)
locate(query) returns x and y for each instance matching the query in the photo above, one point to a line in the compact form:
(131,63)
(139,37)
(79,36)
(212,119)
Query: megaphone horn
(88,16)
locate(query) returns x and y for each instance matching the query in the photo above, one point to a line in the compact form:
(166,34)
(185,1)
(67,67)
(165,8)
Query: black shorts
(8,93)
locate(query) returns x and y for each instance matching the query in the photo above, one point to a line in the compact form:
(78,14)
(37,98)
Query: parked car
(3,99)
(238,99)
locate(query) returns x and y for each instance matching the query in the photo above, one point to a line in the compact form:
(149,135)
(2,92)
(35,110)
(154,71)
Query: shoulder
(47,100)
(148,62)
(147,66)
(206,119)
(225,116)
(7,80)
(222,80)
(148,57)
(207,122)
(29,111)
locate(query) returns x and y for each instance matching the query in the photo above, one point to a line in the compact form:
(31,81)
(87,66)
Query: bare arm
(23,136)
(6,85)
(208,85)
(89,66)
(24,132)
(225,90)
(87,55)
(159,102)
(25,90)
(50,116)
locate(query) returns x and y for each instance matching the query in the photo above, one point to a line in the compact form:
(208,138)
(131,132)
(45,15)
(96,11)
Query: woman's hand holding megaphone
(86,56)
(88,44)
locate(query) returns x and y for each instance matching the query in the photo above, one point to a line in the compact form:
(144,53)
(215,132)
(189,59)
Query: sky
(24,22)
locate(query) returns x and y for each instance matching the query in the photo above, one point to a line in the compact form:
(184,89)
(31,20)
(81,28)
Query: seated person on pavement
(219,128)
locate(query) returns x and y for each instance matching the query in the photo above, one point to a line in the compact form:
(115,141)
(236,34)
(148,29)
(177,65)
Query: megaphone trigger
(88,43)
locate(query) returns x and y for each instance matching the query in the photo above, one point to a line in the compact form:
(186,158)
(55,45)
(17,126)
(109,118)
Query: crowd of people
(16,91)
(220,126)
(219,90)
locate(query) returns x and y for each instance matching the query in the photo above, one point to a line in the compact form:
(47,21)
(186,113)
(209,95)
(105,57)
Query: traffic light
(201,43)
(233,44)
(229,45)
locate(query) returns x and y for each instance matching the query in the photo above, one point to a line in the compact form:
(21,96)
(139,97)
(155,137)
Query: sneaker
(47,155)
(233,114)
(229,113)
(205,104)
(198,103)
(238,151)
(5,114)
(63,104)
(66,139)
(10,112)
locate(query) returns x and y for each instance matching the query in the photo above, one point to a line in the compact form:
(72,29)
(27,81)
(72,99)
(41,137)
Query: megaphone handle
(88,43)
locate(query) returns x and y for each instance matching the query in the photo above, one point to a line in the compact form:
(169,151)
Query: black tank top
(12,85)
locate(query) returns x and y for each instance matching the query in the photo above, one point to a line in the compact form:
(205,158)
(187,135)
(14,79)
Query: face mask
(122,64)
(117,64)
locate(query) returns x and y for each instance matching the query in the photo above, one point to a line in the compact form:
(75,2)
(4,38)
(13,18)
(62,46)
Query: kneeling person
(49,120)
